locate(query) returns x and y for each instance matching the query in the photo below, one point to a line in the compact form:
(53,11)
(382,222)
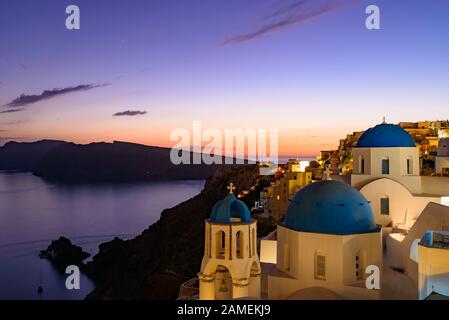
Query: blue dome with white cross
(230,207)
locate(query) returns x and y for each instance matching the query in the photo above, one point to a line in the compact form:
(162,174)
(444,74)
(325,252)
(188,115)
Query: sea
(33,212)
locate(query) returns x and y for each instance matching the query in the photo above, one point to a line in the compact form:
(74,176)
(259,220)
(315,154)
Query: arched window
(220,244)
(239,244)
(223,283)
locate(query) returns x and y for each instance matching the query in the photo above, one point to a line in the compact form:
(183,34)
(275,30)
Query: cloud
(286,9)
(129,113)
(296,13)
(11,110)
(48,94)
(12,123)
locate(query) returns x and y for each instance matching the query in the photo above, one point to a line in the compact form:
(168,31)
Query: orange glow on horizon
(288,147)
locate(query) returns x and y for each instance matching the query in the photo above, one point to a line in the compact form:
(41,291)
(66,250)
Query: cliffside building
(277,196)
(385,217)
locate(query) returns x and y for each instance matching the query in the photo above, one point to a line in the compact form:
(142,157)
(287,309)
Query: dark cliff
(118,161)
(115,162)
(154,264)
(24,156)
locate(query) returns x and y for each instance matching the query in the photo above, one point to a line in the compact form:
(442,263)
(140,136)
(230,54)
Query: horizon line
(283,156)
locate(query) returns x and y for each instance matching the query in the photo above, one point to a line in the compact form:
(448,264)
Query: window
(409,166)
(254,242)
(385,206)
(239,244)
(320,266)
(362,165)
(220,238)
(360,265)
(385,166)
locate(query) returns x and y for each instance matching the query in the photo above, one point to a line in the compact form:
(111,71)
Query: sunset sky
(308,68)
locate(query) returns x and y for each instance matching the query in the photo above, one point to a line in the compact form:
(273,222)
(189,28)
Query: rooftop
(436,239)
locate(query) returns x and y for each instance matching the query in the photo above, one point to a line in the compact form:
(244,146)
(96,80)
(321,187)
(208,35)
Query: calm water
(33,212)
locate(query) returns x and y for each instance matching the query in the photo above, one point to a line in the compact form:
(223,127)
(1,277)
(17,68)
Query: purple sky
(139,69)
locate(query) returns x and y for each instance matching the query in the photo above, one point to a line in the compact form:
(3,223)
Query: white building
(327,240)
(333,230)
(387,173)
(442,158)
(433,252)
(230,266)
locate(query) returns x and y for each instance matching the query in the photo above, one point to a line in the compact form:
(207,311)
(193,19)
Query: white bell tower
(230,268)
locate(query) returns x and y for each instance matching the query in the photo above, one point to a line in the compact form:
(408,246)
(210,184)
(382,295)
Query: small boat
(40,288)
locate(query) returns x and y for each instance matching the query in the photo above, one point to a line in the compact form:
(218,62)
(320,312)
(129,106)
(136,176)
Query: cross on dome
(231,188)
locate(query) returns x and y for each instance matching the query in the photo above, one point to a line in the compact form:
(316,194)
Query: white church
(386,219)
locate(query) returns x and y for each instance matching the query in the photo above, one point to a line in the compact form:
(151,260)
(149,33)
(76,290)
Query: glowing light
(445,201)
(303,165)
(443,133)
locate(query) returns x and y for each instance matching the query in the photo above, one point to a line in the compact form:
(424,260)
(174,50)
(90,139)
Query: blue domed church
(328,238)
(387,171)
(386,150)
(335,231)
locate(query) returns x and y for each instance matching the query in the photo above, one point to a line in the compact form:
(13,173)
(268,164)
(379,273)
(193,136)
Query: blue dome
(385,135)
(228,208)
(330,207)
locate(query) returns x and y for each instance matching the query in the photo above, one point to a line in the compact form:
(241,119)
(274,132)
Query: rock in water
(62,253)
